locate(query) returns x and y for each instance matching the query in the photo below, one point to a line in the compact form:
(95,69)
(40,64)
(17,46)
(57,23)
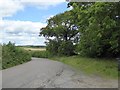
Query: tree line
(90,29)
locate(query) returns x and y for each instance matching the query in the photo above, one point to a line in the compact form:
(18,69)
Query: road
(44,73)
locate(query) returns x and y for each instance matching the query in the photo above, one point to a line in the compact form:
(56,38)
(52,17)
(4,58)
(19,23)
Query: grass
(39,52)
(34,49)
(102,67)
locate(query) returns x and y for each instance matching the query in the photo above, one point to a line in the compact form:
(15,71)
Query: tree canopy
(64,32)
(89,29)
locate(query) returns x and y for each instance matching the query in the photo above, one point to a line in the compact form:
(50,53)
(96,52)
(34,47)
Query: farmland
(33,48)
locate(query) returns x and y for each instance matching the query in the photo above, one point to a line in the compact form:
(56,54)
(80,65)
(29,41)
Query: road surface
(44,73)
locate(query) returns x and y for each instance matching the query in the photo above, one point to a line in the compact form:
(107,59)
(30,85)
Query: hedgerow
(12,55)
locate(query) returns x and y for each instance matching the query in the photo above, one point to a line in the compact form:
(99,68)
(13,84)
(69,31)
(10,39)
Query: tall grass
(102,67)
(12,55)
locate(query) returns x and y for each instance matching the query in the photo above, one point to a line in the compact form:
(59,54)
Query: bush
(99,33)
(61,48)
(66,48)
(40,54)
(12,55)
(52,47)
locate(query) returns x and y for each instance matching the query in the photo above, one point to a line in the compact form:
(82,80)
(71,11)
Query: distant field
(34,49)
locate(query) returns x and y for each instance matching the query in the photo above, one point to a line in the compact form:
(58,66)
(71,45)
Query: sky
(21,20)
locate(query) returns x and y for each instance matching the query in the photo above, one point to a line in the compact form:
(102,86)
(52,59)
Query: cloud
(10,7)
(42,2)
(21,26)
(21,32)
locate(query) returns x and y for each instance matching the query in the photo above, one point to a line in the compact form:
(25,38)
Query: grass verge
(102,67)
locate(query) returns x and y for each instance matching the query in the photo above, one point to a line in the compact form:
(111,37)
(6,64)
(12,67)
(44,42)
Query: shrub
(52,47)
(40,54)
(66,48)
(12,55)
(61,48)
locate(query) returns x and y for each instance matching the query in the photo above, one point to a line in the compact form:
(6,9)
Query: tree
(93,27)
(63,31)
(99,28)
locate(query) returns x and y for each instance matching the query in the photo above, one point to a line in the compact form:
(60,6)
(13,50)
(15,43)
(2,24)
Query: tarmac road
(44,73)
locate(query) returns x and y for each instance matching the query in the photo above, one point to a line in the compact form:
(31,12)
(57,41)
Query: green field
(34,49)
(102,67)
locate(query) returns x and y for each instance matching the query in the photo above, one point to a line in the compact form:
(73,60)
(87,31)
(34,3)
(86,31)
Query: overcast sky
(21,20)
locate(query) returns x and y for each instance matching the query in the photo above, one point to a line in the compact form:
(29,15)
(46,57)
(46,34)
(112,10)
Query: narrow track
(44,73)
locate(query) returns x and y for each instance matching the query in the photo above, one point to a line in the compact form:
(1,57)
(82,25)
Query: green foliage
(52,47)
(92,66)
(99,28)
(66,48)
(12,55)
(60,48)
(63,32)
(40,54)
(93,26)
(61,27)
